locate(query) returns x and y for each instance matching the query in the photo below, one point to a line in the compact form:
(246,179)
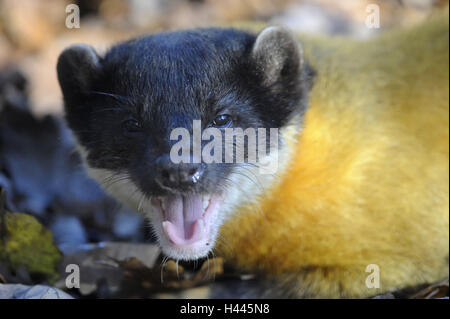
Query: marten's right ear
(78,66)
(278,55)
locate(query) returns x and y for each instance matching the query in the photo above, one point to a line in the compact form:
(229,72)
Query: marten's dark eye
(131,126)
(222,121)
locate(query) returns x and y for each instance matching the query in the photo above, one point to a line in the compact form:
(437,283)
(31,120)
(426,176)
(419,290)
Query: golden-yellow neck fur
(369,179)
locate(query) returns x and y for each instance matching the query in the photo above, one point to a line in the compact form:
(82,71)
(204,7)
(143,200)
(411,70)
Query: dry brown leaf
(168,275)
(439,290)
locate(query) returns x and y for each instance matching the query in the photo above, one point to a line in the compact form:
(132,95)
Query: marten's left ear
(277,54)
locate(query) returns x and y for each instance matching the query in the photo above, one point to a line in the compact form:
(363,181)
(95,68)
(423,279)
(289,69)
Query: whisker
(107,110)
(117,97)
(140,203)
(164,261)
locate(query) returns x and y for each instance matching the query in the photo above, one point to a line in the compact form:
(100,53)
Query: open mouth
(187,219)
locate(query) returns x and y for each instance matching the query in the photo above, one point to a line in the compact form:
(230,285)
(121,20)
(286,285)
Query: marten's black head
(125,109)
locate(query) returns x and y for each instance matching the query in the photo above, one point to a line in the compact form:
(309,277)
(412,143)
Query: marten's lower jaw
(189,224)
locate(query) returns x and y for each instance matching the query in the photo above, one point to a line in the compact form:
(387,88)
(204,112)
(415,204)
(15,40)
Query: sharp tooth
(205,202)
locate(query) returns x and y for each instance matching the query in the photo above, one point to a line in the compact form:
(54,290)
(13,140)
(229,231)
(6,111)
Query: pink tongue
(182,213)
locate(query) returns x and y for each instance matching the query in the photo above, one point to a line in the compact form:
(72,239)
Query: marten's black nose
(177,176)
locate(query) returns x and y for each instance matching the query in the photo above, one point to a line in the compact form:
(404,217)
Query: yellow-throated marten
(358,151)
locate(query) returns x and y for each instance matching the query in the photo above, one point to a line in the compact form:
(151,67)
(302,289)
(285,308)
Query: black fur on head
(167,80)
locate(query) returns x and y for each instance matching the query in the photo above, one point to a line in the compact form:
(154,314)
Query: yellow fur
(369,179)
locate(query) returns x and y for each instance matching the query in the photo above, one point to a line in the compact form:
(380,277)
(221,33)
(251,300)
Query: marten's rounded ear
(77,68)
(278,54)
